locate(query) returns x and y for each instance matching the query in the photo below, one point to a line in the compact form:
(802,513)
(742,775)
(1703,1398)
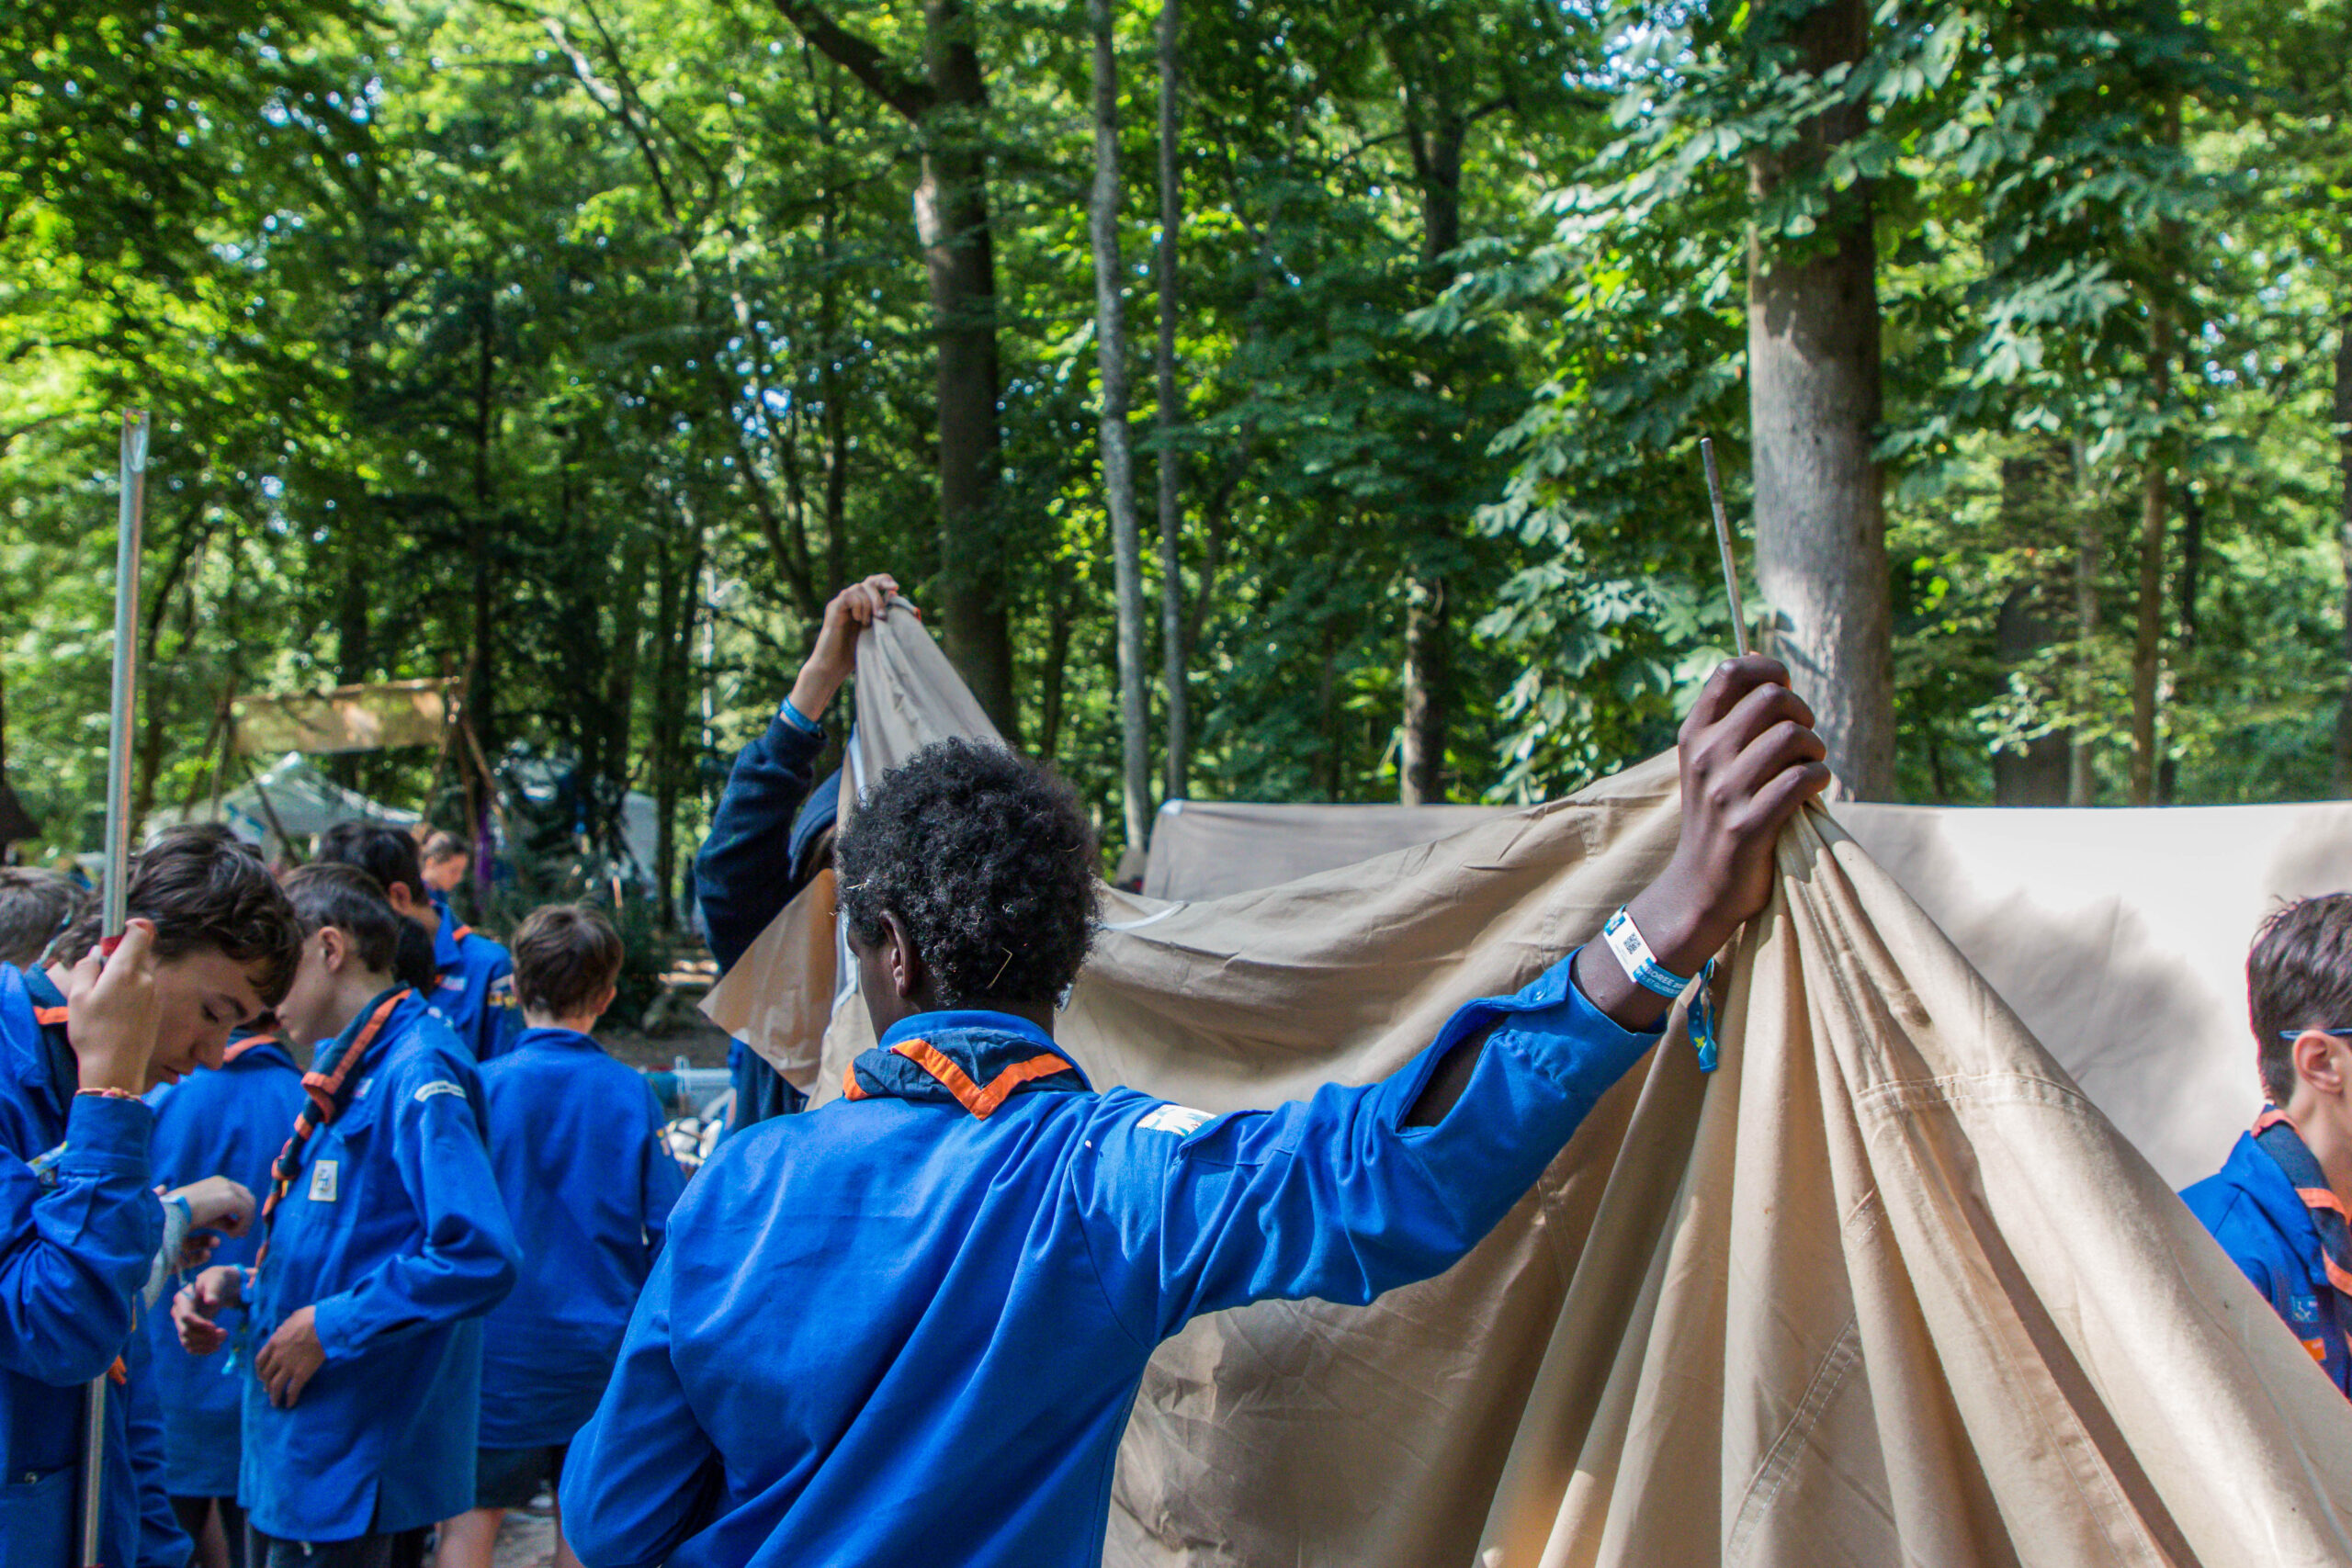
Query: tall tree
(1814,403)
(1169,466)
(1118,460)
(947,106)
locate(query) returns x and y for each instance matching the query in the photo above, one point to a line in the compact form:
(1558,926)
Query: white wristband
(1626,944)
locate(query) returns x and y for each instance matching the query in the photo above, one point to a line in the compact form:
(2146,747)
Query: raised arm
(1358,1191)
(743,872)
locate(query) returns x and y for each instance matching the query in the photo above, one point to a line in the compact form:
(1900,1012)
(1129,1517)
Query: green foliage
(583,349)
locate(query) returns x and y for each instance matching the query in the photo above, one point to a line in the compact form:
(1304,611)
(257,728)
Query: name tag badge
(323,1181)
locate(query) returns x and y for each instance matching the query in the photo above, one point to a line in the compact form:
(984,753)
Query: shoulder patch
(439,1086)
(1180,1120)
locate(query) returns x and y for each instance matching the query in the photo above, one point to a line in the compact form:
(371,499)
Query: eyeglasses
(2295,1033)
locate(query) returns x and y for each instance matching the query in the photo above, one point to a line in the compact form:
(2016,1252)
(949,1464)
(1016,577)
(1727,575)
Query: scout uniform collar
(2277,1137)
(62,1073)
(446,937)
(552,1038)
(975,1059)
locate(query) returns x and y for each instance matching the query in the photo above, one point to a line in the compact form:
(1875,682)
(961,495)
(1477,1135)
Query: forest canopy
(580,349)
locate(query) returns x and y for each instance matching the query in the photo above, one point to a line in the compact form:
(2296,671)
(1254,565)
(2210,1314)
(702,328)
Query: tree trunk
(2155,492)
(677,571)
(481,672)
(959,259)
(2192,558)
(1436,133)
(2032,619)
(945,106)
(1814,403)
(1059,621)
(1169,466)
(1118,460)
(2344,546)
(2082,776)
(1428,680)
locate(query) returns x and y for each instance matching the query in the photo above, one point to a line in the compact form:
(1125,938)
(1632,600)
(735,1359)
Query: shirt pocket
(37,1517)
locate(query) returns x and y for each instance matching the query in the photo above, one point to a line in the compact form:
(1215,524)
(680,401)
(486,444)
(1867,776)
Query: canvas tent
(303,800)
(1884,1288)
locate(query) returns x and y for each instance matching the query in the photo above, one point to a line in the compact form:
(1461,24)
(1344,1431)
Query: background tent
(1885,1287)
(2119,936)
(305,803)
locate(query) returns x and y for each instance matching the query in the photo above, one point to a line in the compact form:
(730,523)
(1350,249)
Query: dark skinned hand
(1749,760)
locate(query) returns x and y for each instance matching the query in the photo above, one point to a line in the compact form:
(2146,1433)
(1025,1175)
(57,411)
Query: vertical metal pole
(131,524)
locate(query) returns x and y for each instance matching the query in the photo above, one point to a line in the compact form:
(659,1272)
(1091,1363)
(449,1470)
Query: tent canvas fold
(1884,1288)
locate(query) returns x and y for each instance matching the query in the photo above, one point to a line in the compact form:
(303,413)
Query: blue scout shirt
(576,1143)
(393,1230)
(230,1121)
(895,1331)
(80,1237)
(2253,1211)
(475,989)
(755,859)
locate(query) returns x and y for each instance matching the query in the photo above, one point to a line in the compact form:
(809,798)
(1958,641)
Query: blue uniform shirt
(394,1232)
(576,1143)
(227,1122)
(2253,1211)
(475,990)
(80,1240)
(893,1332)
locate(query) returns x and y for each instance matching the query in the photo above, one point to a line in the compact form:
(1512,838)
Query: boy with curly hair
(908,1329)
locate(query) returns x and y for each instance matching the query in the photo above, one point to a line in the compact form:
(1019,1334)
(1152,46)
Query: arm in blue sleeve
(1335,1197)
(77,1252)
(642,1475)
(744,874)
(467,1264)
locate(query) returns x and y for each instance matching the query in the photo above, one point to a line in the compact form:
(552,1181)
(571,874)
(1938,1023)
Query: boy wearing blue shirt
(773,832)
(908,1329)
(576,1141)
(232,1119)
(383,1243)
(2277,1205)
(211,944)
(474,978)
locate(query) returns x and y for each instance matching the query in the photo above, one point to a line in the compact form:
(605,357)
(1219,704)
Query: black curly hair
(988,860)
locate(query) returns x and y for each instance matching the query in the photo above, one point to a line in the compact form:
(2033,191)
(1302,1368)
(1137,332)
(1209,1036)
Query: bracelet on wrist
(108,1091)
(1626,944)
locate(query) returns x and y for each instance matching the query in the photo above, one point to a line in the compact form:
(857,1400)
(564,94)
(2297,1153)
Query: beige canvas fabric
(1885,1289)
(779,997)
(1214,848)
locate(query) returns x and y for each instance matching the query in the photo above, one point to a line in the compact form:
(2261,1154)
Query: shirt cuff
(109,1133)
(788,714)
(328,1322)
(1554,1025)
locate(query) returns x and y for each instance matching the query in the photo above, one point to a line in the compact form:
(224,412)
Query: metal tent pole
(116,894)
